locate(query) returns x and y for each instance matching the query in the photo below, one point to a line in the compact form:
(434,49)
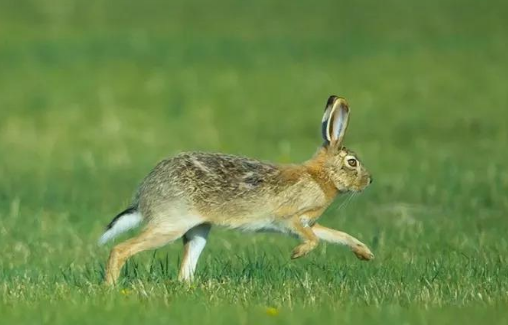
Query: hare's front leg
(300,227)
(338,237)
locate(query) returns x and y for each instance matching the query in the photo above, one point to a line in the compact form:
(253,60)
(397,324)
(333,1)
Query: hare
(185,195)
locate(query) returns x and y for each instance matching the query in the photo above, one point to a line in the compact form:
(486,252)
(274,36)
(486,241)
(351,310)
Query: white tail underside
(124,223)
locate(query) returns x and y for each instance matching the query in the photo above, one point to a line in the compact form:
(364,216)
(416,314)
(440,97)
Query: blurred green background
(94,93)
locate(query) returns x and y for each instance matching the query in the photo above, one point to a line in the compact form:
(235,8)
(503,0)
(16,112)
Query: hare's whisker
(344,203)
(349,199)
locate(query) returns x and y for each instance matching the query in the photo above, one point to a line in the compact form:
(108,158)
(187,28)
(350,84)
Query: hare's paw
(303,249)
(362,252)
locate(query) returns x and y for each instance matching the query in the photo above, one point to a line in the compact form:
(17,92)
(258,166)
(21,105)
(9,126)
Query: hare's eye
(352,162)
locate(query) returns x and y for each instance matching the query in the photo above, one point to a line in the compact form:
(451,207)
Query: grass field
(94,93)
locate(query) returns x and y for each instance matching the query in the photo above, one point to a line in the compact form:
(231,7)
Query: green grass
(94,93)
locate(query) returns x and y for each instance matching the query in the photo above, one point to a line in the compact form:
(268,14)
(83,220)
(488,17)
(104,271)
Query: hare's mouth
(354,189)
(361,187)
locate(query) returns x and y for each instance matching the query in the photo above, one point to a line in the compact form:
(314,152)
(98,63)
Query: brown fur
(316,170)
(196,188)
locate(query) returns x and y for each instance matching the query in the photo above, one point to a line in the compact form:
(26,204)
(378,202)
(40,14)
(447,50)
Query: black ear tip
(331,100)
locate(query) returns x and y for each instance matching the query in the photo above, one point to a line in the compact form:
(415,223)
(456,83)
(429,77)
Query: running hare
(187,194)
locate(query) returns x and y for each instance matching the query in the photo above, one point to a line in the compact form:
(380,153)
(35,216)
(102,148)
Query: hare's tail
(128,219)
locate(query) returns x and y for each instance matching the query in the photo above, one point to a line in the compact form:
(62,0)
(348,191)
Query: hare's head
(342,165)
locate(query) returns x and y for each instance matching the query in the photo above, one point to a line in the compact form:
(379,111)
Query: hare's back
(209,178)
(213,172)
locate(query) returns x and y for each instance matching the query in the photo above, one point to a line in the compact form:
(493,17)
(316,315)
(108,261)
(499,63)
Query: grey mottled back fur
(209,181)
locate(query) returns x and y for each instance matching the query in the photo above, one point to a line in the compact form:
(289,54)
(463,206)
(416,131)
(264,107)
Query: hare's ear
(335,121)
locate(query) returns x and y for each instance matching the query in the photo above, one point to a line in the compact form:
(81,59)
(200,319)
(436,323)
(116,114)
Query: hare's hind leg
(155,235)
(194,242)
(151,238)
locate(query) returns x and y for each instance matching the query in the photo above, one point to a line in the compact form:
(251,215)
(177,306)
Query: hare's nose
(371,180)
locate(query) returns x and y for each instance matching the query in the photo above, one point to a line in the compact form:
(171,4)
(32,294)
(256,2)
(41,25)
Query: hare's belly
(258,222)
(264,225)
